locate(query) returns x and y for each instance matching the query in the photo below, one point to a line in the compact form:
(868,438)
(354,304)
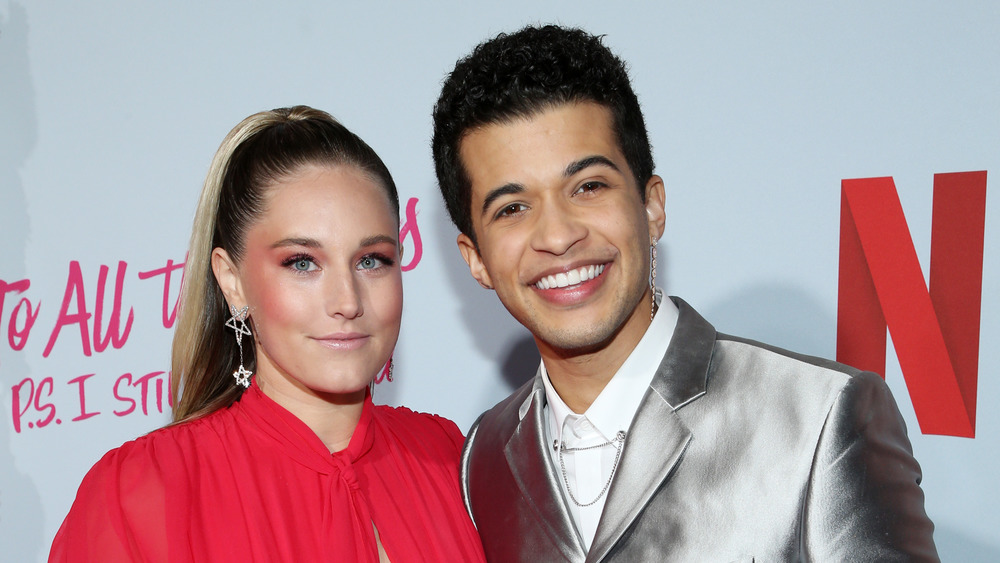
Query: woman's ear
(228,278)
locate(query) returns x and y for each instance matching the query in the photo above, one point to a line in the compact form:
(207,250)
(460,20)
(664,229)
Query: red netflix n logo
(935,331)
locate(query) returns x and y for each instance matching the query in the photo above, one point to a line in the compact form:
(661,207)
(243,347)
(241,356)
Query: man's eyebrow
(503,190)
(297,241)
(593,160)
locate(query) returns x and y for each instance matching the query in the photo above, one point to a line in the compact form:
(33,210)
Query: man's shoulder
(696,332)
(778,375)
(504,416)
(781,359)
(787,356)
(487,439)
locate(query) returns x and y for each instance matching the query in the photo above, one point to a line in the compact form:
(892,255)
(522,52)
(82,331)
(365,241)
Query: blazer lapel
(529,461)
(657,437)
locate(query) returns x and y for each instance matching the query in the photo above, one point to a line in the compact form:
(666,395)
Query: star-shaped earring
(242,376)
(238,322)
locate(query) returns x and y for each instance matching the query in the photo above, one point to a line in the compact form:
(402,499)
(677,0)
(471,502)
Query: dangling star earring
(655,291)
(238,322)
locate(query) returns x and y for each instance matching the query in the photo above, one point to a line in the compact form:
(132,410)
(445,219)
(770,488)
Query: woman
(290,306)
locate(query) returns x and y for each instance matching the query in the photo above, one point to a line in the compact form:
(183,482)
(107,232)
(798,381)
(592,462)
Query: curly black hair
(519,75)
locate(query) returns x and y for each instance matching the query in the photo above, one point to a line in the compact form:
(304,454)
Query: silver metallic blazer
(738,452)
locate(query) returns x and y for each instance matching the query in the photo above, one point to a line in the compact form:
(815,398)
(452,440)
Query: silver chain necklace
(618,441)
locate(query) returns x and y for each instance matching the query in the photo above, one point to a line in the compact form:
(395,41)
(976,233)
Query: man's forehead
(547,142)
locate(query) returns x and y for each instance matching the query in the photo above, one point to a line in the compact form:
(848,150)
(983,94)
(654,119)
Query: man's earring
(238,322)
(654,291)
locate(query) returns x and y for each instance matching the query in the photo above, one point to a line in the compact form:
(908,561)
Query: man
(645,435)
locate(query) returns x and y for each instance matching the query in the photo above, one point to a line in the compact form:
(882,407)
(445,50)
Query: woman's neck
(332,416)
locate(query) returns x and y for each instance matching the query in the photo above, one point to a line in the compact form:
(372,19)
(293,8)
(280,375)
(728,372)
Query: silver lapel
(656,443)
(657,437)
(527,455)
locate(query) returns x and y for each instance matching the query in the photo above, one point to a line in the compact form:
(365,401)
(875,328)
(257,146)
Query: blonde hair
(255,155)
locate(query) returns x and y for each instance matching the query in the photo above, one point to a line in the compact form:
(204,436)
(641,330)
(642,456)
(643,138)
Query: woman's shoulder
(419,425)
(405,415)
(161,449)
(120,508)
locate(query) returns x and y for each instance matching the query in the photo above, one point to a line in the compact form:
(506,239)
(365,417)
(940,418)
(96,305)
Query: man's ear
(228,278)
(655,202)
(475,262)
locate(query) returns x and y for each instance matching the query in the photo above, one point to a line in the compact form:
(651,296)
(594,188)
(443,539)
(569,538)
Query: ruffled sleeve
(119,512)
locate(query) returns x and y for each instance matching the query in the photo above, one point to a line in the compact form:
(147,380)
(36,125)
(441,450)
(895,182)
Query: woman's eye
(300,264)
(369,263)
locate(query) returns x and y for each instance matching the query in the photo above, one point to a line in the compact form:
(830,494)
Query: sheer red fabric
(254,483)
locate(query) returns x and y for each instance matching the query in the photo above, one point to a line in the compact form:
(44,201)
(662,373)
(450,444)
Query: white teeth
(572,277)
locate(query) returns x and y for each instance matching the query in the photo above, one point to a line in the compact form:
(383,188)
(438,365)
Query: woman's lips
(343,341)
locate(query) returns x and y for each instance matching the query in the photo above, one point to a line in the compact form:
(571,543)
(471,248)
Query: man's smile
(570,278)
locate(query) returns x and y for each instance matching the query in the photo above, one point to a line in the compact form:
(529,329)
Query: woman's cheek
(275,307)
(392,298)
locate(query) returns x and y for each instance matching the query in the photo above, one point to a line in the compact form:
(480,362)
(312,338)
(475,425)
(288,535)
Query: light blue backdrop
(110,113)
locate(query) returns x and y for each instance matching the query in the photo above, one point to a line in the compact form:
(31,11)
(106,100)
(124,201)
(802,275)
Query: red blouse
(254,483)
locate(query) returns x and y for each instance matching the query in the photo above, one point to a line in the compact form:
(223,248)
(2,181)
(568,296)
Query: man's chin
(577,341)
(583,337)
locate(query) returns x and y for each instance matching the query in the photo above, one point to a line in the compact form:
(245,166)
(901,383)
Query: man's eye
(589,187)
(511,209)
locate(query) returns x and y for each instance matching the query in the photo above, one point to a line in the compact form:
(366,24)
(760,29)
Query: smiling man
(645,435)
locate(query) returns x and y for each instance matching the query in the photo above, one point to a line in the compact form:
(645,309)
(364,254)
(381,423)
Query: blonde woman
(291,304)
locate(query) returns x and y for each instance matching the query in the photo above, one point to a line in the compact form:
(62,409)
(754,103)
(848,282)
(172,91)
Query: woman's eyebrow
(297,241)
(377,239)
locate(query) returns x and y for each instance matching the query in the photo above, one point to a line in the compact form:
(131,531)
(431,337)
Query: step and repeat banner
(830,174)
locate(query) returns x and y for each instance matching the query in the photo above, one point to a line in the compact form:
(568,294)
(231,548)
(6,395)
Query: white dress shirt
(584,473)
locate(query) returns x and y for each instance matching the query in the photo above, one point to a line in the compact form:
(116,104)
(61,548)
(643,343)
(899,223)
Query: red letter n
(935,332)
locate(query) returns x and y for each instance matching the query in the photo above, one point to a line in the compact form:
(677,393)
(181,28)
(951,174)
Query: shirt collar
(615,406)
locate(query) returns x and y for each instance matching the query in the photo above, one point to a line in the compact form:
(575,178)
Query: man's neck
(579,377)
